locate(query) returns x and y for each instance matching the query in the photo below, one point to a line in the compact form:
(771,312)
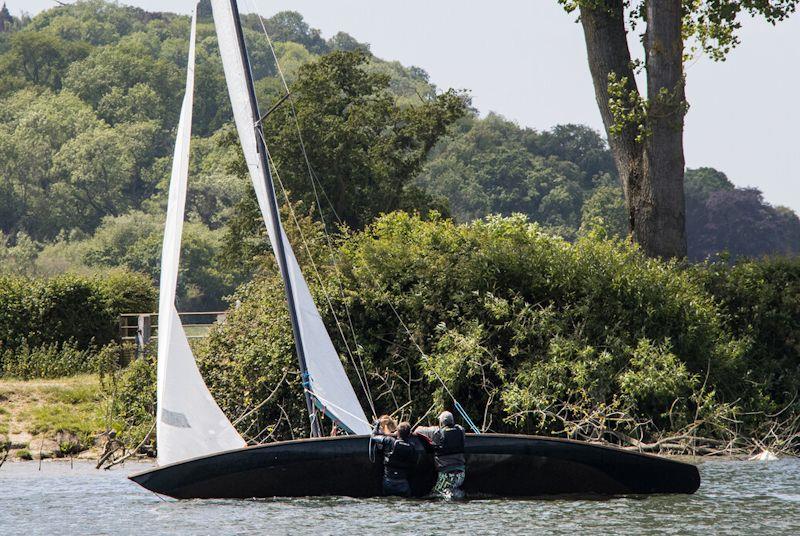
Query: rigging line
(328,403)
(316,196)
(361,380)
(272,109)
(312,175)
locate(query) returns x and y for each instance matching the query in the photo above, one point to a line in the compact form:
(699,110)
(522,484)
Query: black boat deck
(498,465)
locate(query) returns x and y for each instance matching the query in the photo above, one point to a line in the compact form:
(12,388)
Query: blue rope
(466,418)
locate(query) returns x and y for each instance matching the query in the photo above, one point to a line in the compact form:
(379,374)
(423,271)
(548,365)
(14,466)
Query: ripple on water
(735,498)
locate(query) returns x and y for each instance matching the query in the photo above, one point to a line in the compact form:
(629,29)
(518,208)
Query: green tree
(645,130)
(134,241)
(364,149)
(492,166)
(99,170)
(35,126)
(606,208)
(41,58)
(124,65)
(290,26)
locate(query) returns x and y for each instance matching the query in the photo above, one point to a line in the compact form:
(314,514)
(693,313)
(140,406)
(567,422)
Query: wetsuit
(399,458)
(448,454)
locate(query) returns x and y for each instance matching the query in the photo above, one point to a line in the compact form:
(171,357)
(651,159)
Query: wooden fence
(142,328)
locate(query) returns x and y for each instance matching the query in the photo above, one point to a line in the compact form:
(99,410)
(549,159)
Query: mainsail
(326,382)
(188,421)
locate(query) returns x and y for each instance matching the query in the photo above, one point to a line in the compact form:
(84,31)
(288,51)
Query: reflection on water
(735,498)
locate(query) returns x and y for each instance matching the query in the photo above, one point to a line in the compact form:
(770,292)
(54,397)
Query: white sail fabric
(328,381)
(188,421)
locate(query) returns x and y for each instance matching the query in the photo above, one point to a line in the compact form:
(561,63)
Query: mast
(280,250)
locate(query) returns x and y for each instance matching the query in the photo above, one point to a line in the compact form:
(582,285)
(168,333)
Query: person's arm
(425,431)
(381,441)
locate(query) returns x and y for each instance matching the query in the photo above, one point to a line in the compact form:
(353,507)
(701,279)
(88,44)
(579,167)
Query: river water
(736,497)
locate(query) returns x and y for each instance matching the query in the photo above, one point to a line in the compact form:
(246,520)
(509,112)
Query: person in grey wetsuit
(399,458)
(447,440)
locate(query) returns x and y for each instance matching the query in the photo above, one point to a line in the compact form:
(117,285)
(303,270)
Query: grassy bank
(51,418)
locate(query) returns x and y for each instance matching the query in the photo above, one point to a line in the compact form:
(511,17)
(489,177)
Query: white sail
(188,421)
(327,379)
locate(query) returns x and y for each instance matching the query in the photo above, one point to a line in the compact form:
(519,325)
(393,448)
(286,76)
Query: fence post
(143,333)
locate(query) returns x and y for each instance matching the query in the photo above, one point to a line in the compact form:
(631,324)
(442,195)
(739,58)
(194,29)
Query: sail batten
(189,423)
(326,378)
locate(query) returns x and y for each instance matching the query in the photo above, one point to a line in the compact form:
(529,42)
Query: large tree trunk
(661,224)
(650,162)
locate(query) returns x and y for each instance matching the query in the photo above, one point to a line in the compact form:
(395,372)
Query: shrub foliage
(531,333)
(51,327)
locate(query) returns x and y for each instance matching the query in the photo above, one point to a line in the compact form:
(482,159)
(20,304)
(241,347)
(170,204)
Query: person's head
(388,424)
(446,419)
(404,430)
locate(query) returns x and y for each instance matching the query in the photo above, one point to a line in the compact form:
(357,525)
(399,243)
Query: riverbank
(53,418)
(67,418)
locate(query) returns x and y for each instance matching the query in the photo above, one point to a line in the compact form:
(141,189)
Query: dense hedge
(64,317)
(528,331)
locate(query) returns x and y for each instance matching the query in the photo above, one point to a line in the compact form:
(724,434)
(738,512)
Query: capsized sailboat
(200,453)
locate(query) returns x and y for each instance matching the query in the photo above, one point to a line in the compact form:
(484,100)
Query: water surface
(735,498)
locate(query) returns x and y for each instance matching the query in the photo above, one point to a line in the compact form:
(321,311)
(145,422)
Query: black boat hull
(497,465)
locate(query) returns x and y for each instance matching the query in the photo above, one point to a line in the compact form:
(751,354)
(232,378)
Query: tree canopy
(89,100)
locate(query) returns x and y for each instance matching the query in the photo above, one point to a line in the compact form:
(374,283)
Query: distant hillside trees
(89,100)
(723,218)
(565,179)
(492,166)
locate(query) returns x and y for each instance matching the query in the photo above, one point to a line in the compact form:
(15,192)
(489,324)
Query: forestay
(327,380)
(188,421)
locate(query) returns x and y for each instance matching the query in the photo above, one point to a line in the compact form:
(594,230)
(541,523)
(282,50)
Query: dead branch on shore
(718,434)
(130,453)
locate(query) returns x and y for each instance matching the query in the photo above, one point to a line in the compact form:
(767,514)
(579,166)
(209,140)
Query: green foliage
(702,182)
(130,397)
(519,323)
(41,58)
(605,208)
(39,316)
(760,303)
(134,240)
(364,147)
(46,361)
(91,92)
(492,166)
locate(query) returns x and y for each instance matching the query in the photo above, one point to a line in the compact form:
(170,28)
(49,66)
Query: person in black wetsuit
(447,440)
(399,459)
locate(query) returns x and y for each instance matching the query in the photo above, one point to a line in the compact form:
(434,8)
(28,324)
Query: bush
(521,326)
(47,361)
(530,333)
(130,396)
(39,313)
(759,301)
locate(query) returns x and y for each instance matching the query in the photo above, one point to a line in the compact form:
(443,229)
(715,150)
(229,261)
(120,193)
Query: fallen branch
(133,451)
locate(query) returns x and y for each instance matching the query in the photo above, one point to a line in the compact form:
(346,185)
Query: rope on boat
(327,403)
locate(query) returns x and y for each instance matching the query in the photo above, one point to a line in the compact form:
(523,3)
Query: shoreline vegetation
(533,334)
(503,249)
